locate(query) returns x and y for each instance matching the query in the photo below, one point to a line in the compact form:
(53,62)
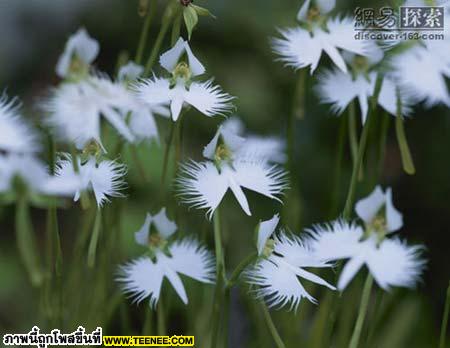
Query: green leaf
(201,11)
(190,19)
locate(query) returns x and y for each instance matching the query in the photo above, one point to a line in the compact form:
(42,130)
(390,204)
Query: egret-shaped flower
(269,148)
(182,88)
(80,51)
(340,89)
(390,261)
(104,178)
(282,261)
(16,136)
(143,277)
(203,185)
(301,47)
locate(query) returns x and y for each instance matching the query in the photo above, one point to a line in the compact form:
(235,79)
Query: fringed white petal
(258,176)
(208,99)
(143,125)
(394,263)
(277,285)
(265,230)
(342,35)
(335,241)
(142,278)
(15,134)
(81,45)
(270,149)
(154,91)
(193,260)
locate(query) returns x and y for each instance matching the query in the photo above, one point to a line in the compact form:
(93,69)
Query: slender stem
(147,326)
(161,324)
(445,320)
(167,18)
(219,282)
(352,131)
(298,108)
(151,11)
(139,164)
(92,251)
(240,268)
(273,330)
(167,152)
(386,120)
(407,161)
(26,242)
(362,312)
(176,29)
(361,150)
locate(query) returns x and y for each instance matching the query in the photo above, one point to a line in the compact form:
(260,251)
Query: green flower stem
(92,251)
(362,312)
(26,242)
(151,11)
(167,152)
(445,320)
(273,330)
(218,293)
(361,150)
(139,165)
(385,122)
(84,198)
(165,25)
(352,133)
(407,161)
(298,108)
(161,323)
(240,268)
(147,326)
(338,167)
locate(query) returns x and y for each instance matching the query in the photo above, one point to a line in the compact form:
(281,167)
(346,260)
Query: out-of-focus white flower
(378,205)
(34,174)
(340,89)
(270,148)
(80,49)
(143,277)
(300,48)
(105,179)
(130,72)
(323,6)
(277,273)
(16,136)
(163,225)
(391,262)
(181,89)
(203,185)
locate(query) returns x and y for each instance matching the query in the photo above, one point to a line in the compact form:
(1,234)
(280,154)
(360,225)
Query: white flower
(265,230)
(324,6)
(204,185)
(300,48)
(16,135)
(169,60)
(391,262)
(80,46)
(268,148)
(340,89)
(130,72)
(379,202)
(431,66)
(143,277)
(105,179)
(34,174)
(163,225)
(277,275)
(181,89)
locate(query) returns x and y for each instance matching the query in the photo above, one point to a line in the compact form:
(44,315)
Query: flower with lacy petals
(203,185)
(33,176)
(130,72)
(282,263)
(105,179)
(300,48)
(16,135)
(270,148)
(181,89)
(377,211)
(391,262)
(143,277)
(80,51)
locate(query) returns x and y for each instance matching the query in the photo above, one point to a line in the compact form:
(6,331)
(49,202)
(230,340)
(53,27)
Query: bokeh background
(235,48)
